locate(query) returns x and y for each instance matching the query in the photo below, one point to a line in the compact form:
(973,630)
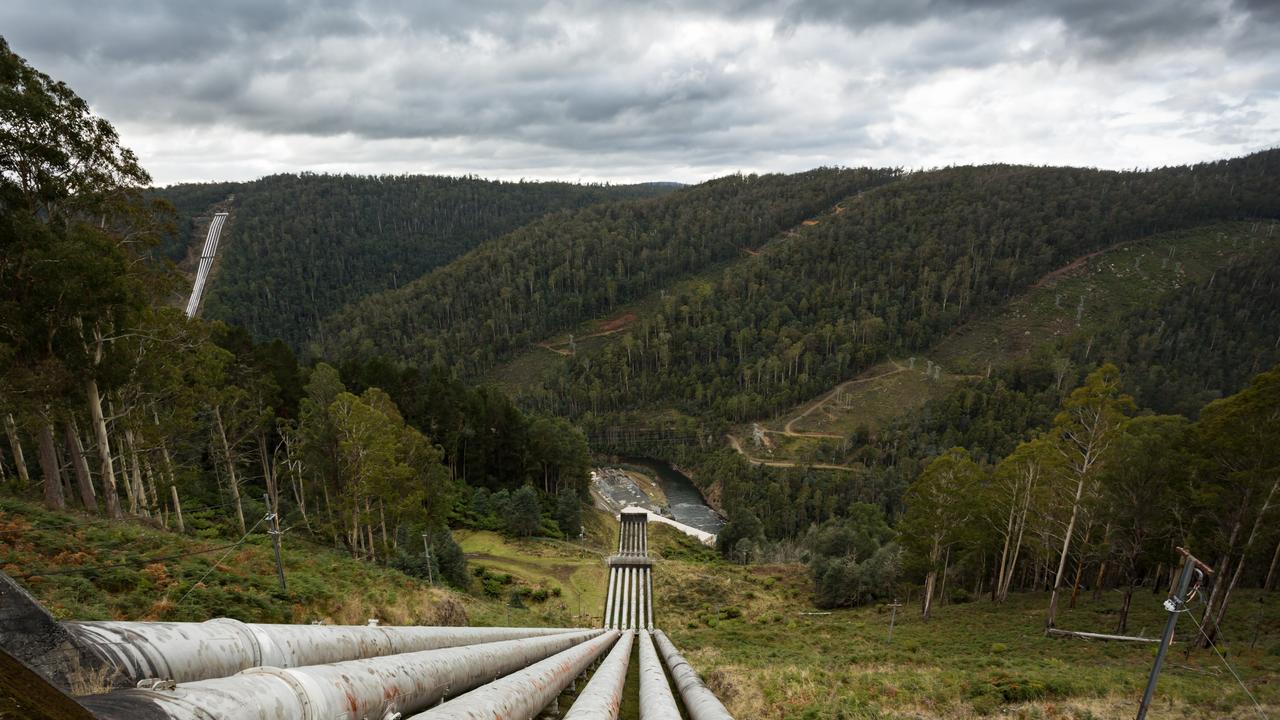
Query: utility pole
(1176,604)
(274,532)
(893,615)
(426,548)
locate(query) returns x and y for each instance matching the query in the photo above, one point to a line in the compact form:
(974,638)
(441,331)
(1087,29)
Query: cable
(218,562)
(1230,669)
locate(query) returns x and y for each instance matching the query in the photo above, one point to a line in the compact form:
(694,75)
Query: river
(684,501)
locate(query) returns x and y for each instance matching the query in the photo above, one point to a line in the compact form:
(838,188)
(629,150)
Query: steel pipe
(648,576)
(656,700)
(183,652)
(608,603)
(602,697)
(701,703)
(355,690)
(626,600)
(525,693)
(644,600)
(636,596)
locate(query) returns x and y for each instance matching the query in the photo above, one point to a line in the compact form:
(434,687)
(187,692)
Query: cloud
(674,90)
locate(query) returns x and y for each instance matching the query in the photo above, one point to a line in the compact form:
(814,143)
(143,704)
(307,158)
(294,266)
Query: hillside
(899,269)
(299,247)
(750,631)
(555,273)
(1134,285)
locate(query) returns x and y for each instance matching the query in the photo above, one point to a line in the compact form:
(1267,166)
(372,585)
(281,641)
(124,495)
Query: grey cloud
(607,84)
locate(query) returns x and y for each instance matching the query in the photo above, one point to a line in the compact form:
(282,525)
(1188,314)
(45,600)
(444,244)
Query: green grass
(108,570)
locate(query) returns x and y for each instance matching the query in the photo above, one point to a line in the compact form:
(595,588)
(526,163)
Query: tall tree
(939,504)
(1092,417)
(1241,433)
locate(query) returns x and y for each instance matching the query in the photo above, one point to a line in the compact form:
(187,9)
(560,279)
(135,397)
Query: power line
(1230,669)
(218,562)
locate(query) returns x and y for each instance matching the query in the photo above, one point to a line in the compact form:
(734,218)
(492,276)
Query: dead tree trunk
(229,459)
(106,468)
(15,444)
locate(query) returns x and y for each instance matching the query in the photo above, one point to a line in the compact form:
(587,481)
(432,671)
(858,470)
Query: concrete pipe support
(354,690)
(701,703)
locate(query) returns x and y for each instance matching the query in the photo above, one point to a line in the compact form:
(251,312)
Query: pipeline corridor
(228,670)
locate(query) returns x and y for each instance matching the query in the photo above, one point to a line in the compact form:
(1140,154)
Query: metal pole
(1175,605)
(275,541)
(431,578)
(893,614)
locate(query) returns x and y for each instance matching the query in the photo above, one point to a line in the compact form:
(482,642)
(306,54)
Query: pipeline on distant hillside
(377,687)
(196,651)
(525,693)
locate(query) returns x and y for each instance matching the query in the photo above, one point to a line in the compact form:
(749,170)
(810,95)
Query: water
(685,501)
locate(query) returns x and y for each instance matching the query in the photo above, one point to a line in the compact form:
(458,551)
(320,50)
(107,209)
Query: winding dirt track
(737,445)
(791,432)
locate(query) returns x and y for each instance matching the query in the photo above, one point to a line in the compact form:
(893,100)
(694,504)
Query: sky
(625,91)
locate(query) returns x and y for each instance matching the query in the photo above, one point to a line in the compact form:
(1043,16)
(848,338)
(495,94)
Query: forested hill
(899,268)
(302,246)
(569,266)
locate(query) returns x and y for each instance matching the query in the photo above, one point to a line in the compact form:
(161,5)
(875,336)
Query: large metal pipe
(648,576)
(626,600)
(701,703)
(656,700)
(602,697)
(635,599)
(354,690)
(183,652)
(608,603)
(525,693)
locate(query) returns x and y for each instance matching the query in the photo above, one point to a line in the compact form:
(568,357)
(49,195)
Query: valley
(967,440)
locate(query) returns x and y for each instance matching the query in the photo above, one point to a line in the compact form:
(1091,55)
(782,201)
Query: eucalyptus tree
(1092,417)
(939,505)
(1241,436)
(1144,496)
(1015,495)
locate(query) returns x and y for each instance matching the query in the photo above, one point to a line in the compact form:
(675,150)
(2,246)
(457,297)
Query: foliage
(556,272)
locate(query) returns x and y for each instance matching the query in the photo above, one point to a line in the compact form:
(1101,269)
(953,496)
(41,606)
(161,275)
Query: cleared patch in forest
(1078,298)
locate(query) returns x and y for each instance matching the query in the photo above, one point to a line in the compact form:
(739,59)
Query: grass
(99,570)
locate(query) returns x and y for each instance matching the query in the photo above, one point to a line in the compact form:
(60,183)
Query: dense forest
(556,272)
(299,247)
(901,267)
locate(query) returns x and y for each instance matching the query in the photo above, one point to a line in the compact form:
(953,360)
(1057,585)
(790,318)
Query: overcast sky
(624,91)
